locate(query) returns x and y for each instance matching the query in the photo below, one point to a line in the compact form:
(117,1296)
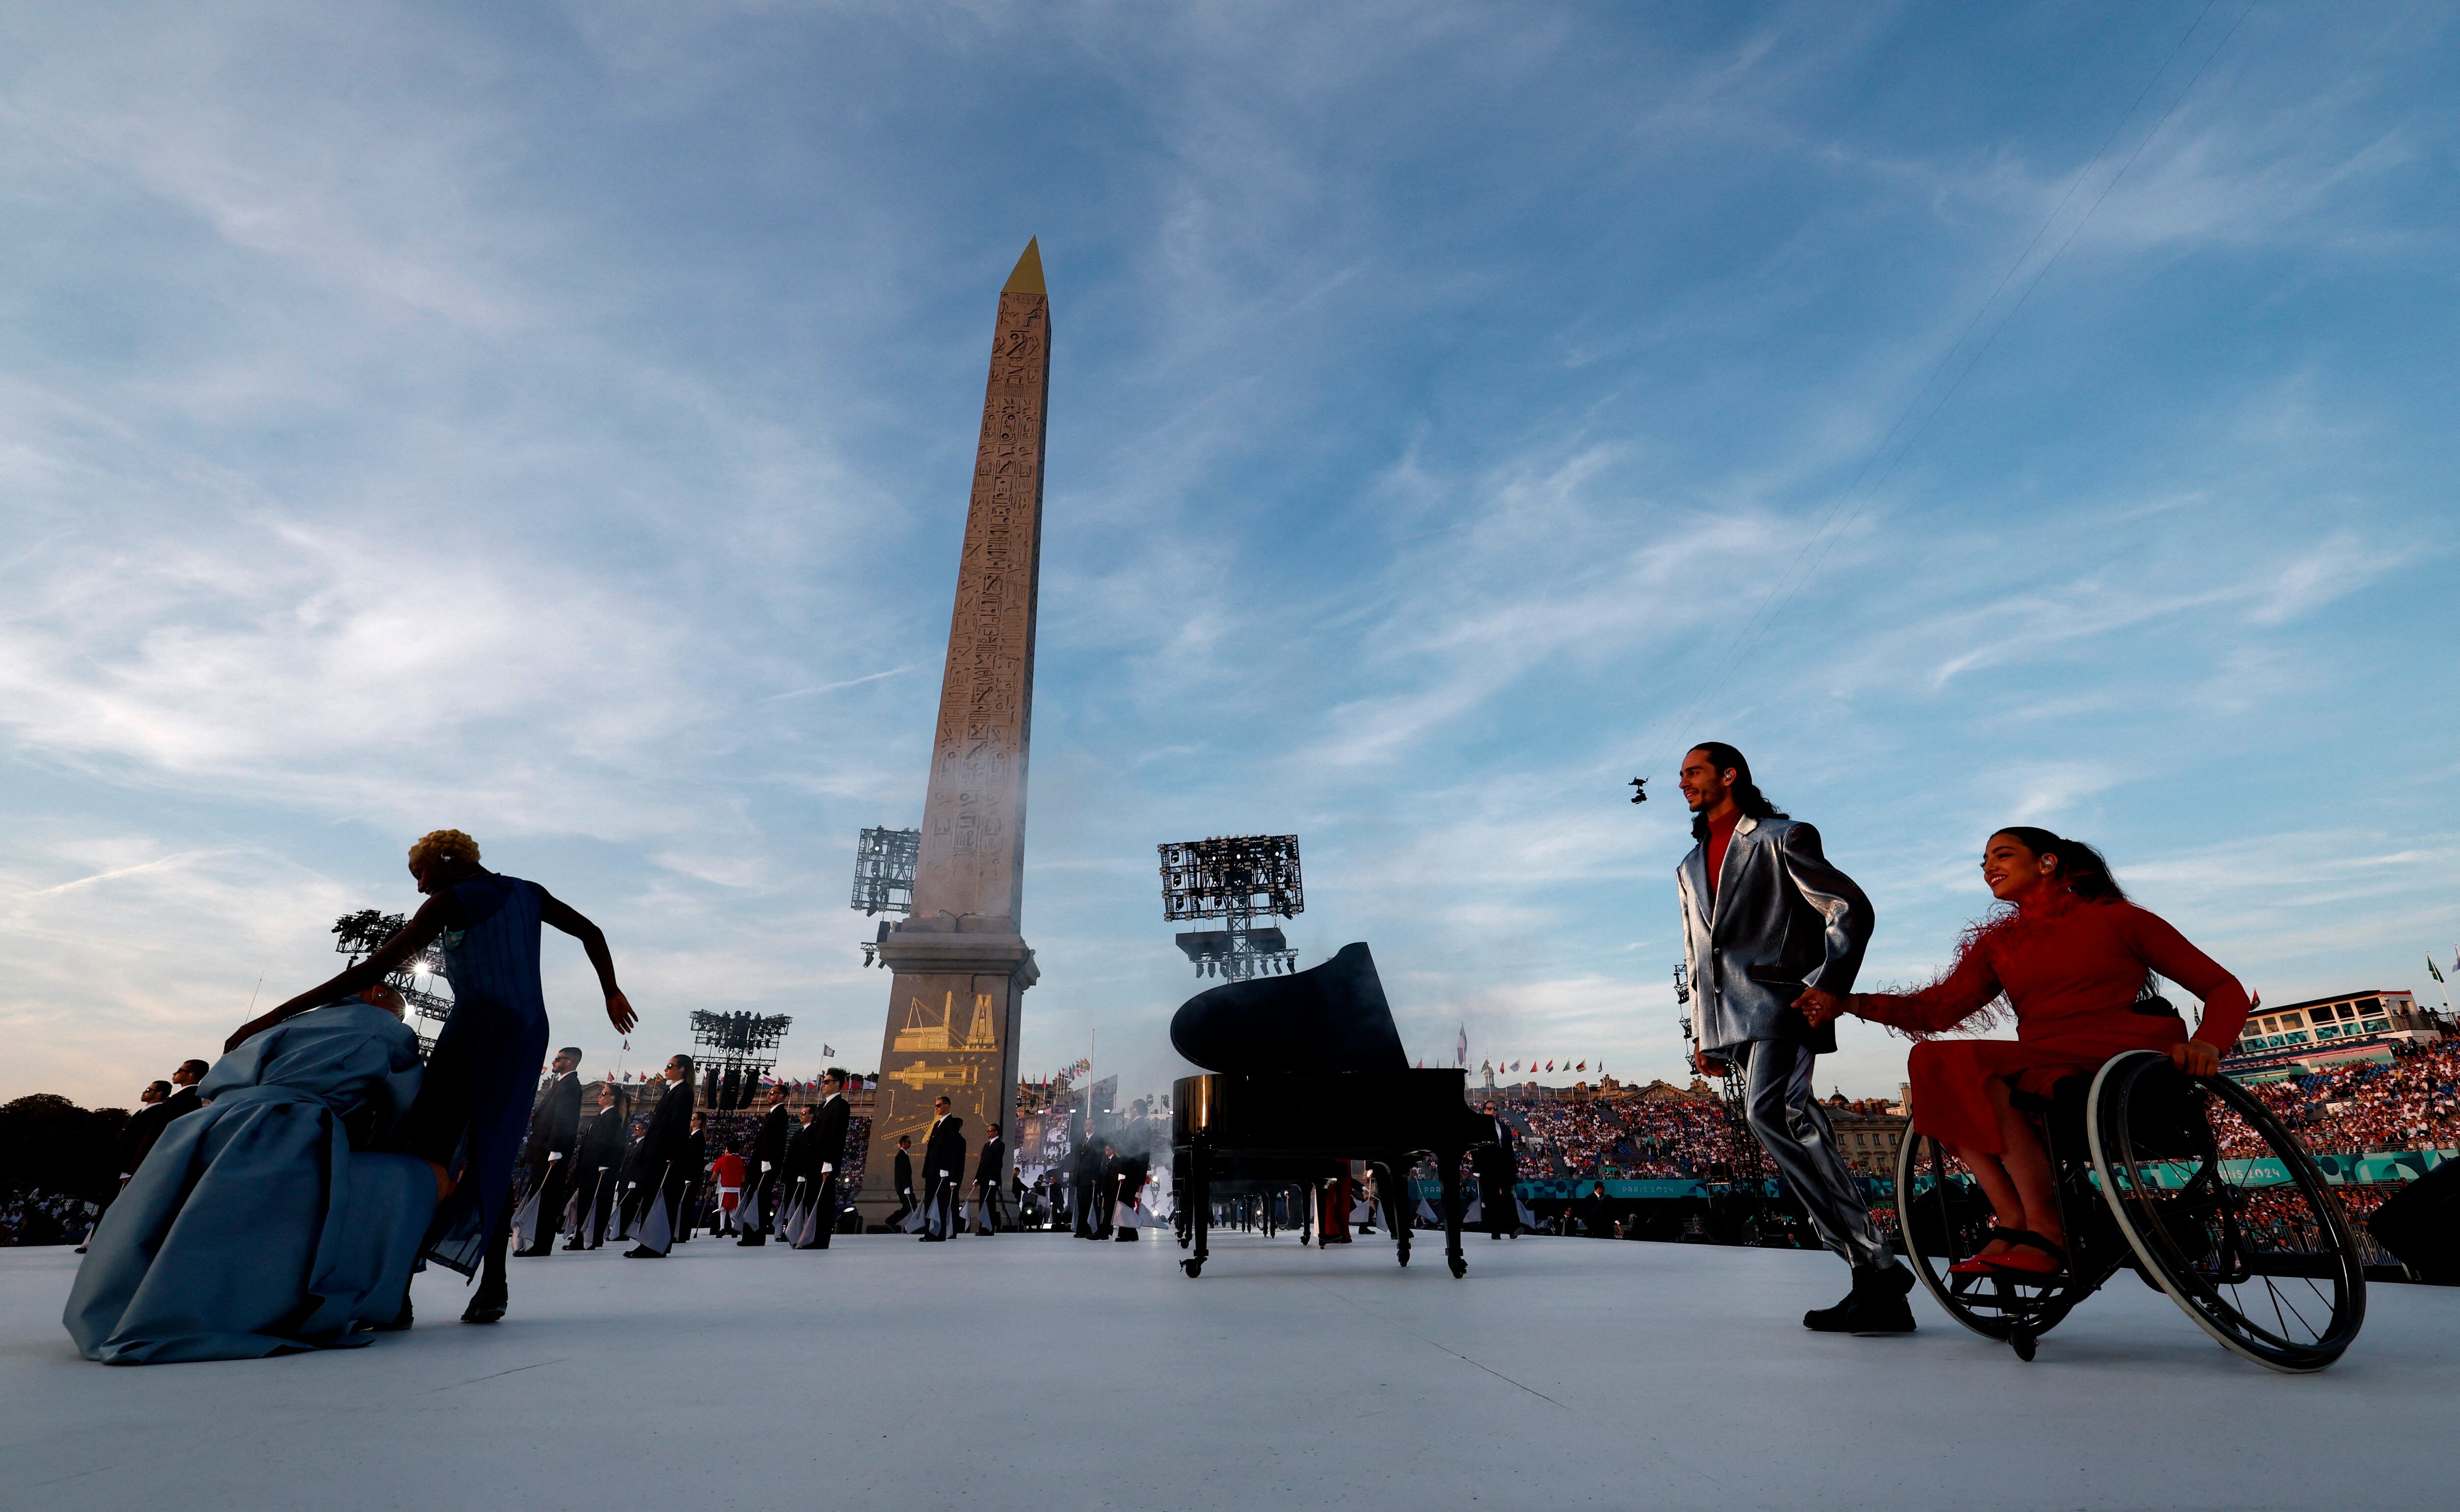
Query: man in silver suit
(1771,929)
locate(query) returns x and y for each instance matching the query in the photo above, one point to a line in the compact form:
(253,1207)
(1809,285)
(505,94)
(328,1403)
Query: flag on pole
(1460,1047)
(2432,971)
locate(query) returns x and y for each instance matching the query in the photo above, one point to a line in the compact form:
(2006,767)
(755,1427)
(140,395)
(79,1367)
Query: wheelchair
(2252,1246)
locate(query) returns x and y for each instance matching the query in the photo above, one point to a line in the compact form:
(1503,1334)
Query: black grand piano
(1306,1072)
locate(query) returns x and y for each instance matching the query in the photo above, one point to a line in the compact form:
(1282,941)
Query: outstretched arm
(434,917)
(593,939)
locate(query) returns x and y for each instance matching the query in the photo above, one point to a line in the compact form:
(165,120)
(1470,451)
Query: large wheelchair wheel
(1943,1218)
(2245,1237)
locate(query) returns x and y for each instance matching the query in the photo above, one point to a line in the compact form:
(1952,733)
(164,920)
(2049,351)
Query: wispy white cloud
(412,419)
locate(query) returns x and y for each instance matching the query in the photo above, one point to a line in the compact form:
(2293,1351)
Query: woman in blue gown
(474,1106)
(264,1222)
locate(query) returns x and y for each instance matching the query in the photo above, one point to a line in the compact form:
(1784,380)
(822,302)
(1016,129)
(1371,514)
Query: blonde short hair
(443,844)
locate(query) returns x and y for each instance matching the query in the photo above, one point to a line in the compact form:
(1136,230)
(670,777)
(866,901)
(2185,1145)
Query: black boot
(1876,1305)
(488,1306)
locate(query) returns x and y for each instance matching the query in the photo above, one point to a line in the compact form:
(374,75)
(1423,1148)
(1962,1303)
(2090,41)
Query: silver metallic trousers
(1786,1118)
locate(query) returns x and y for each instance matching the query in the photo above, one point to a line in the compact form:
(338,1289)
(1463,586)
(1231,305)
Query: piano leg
(1448,1165)
(1388,1194)
(1200,1207)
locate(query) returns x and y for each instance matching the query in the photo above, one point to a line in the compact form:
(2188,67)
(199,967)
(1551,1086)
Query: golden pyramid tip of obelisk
(1028,277)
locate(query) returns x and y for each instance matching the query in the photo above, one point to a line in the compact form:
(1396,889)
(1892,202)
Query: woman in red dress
(2073,957)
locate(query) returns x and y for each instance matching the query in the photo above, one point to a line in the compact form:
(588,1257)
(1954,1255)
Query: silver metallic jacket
(1780,907)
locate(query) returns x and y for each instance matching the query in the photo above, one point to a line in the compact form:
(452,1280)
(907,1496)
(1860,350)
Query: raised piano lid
(1329,1017)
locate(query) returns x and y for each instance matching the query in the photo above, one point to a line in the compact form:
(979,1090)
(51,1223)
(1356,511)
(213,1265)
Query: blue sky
(556,422)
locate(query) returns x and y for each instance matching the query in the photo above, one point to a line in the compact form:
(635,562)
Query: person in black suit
(1106,1192)
(629,1199)
(943,1172)
(666,1162)
(696,1197)
(824,1145)
(1128,1190)
(183,1099)
(904,1184)
(144,1127)
(598,1168)
(1496,1162)
(768,1169)
(554,1132)
(1084,1183)
(990,1186)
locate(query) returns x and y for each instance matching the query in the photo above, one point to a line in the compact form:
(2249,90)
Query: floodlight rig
(358,935)
(735,1051)
(1732,1096)
(884,877)
(1234,879)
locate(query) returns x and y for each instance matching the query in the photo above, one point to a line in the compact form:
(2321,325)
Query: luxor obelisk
(959,960)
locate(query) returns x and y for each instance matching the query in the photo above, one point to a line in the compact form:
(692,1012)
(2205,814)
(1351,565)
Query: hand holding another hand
(1819,1007)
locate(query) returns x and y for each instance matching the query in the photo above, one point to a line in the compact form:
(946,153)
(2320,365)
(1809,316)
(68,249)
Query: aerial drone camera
(1639,790)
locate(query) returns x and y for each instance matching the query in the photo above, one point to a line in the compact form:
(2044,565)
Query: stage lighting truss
(1731,1092)
(1234,879)
(733,1051)
(883,870)
(358,935)
(884,877)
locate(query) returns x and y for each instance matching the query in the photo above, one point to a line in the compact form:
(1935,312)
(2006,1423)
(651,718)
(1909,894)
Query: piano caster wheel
(1192,1267)
(1460,1268)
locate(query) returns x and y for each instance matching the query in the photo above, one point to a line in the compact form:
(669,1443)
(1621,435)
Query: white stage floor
(1031,1369)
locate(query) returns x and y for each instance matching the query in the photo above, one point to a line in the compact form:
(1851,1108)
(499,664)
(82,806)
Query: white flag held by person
(525,1221)
(657,1224)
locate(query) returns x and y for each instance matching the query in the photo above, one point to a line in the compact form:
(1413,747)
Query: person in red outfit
(2074,958)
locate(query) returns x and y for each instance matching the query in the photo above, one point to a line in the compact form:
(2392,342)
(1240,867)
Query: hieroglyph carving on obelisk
(959,960)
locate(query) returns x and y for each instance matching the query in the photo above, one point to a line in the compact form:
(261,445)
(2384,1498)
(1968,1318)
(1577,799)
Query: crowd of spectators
(37,1217)
(1628,1137)
(2411,1103)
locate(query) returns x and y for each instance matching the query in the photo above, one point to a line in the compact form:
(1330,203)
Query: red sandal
(1996,1265)
(2016,1264)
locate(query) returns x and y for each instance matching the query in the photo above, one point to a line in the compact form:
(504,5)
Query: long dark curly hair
(1748,796)
(2082,868)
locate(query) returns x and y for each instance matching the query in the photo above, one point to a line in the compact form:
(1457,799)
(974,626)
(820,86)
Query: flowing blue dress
(253,1228)
(482,1076)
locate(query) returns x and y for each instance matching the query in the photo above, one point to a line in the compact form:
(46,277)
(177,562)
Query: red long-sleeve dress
(2072,970)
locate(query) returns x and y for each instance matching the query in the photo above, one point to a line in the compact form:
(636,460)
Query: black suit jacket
(554,1123)
(826,1142)
(669,1136)
(946,1149)
(904,1173)
(993,1167)
(184,1099)
(602,1140)
(770,1144)
(144,1127)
